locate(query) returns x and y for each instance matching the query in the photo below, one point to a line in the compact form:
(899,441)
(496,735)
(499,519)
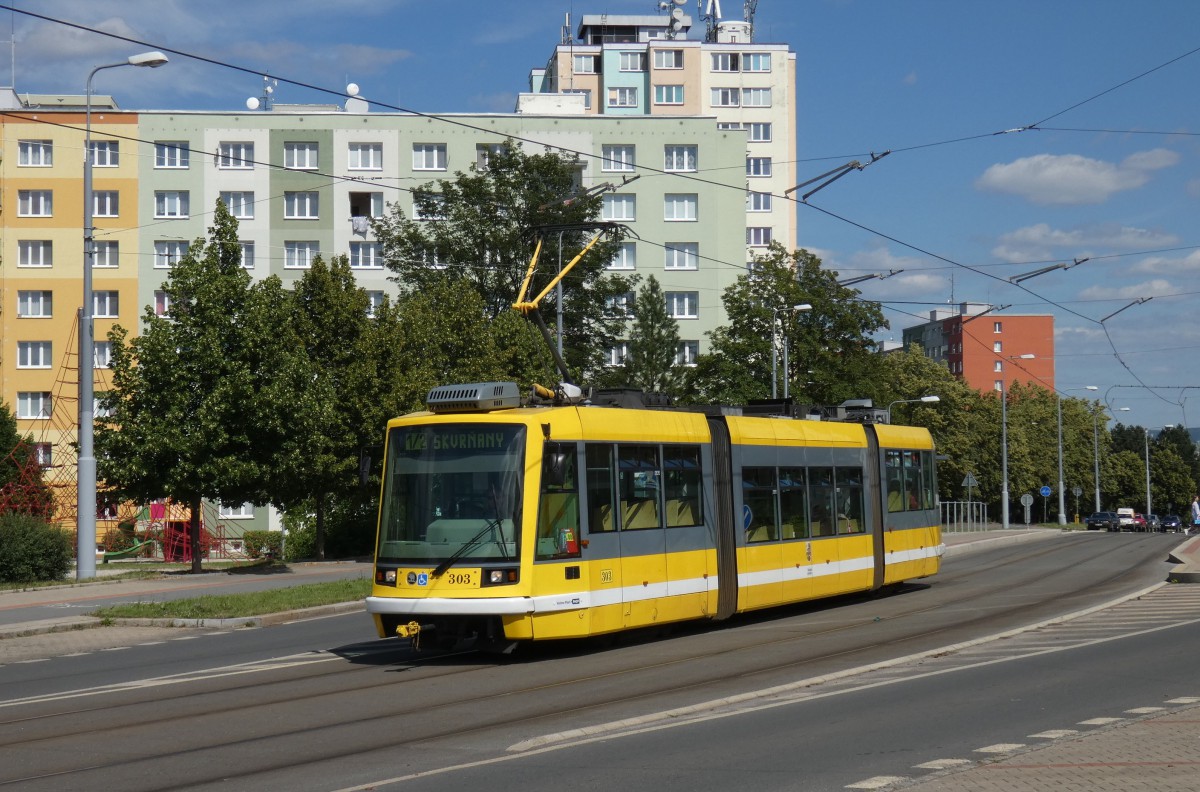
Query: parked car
(1125,516)
(1103,521)
(1139,522)
(1170,524)
(1153,523)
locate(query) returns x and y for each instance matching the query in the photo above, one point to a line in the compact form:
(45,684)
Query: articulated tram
(501,523)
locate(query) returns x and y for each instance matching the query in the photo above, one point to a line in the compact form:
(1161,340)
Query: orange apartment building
(986,349)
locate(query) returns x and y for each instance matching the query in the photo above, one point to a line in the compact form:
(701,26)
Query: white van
(1125,517)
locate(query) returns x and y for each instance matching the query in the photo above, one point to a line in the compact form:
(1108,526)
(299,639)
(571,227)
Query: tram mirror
(554,469)
(364,469)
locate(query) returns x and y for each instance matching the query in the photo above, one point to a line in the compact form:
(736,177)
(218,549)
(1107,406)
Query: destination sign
(455,441)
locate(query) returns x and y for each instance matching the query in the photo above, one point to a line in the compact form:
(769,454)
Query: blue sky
(1110,172)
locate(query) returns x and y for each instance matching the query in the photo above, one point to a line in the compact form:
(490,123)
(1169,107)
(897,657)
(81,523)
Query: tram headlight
(385,577)
(500,577)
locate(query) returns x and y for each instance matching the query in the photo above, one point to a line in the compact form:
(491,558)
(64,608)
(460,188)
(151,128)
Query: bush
(301,535)
(31,550)
(260,544)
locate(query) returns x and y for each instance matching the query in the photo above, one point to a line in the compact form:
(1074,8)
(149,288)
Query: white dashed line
(1144,710)
(1053,734)
(878,782)
(1000,748)
(1099,721)
(944,764)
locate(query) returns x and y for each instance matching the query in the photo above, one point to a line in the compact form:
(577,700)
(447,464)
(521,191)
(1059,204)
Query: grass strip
(236,606)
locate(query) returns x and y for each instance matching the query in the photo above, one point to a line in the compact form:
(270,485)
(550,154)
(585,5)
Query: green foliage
(261,544)
(653,341)
(23,489)
(31,550)
(488,222)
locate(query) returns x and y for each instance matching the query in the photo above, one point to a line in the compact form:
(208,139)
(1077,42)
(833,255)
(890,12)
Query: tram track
(637,679)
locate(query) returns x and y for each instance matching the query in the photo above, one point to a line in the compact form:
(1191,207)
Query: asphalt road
(812,697)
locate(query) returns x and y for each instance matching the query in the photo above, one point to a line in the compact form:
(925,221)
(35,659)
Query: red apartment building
(985,349)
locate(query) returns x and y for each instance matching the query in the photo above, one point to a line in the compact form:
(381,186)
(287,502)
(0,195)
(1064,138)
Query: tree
(831,356)
(202,403)
(23,489)
(653,341)
(479,230)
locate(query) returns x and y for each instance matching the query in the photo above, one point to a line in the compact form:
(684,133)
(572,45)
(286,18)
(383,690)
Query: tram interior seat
(642,513)
(681,512)
(788,531)
(601,518)
(761,533)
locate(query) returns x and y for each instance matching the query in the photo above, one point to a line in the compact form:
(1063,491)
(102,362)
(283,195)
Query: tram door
(643,537)
(603,540)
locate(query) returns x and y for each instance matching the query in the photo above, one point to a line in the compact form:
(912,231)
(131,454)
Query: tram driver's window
(601,494)
(558,506)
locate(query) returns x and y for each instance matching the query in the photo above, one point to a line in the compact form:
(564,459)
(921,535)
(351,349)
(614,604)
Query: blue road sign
(1045,491)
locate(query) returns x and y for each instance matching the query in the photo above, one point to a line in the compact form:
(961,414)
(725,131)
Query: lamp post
(1004,443)
(930,399)
(775,343)
(85,535)
(1062,505)
(1096,442)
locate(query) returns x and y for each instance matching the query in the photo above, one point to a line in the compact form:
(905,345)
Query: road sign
(969,481)
(1026,499)
(1076,491)
(1045,491)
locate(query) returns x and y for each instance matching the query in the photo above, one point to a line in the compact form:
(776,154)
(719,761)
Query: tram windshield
(452,493)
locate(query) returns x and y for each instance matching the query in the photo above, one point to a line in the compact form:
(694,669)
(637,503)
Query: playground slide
(128,552)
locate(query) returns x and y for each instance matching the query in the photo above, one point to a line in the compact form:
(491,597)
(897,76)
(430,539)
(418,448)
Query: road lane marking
(944,764)
(1000,748)
(878,782)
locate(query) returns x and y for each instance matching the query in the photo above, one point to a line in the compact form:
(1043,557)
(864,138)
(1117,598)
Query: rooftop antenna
(354,102)
(675,20)
(255,103)
(748,14)
(711,16)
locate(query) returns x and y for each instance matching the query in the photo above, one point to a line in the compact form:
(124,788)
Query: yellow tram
(501,522)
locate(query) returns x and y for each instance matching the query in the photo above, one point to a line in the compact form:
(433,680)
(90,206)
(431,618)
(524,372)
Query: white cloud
(1152,288)
(1073,179)
(1164,265)
(1040,241)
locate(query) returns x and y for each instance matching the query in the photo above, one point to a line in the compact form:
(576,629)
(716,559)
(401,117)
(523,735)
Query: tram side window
(928,481)
(793,503)
(895,481)
(638,482)
(681,485)
(849,497)
(558,505)
(758,504)
(601,494)
(912,479)
(821,491)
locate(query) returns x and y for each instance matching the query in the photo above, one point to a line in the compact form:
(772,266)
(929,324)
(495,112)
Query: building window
(756,97)
(668,94)
(758,202)
(33,354)
(299,255)
(300,155)
(247,251)
(998,385)
(374,303)
(300,205)
(683,305)
(171,203)
(585,64)
(619,207)
(623,97)
(726,97)
(686,353)
(35,203)
(682,255)
(758,166)
(171,154)
(365,255)
(758,133)
(679,207)
(427,206)
(626,257)
(168,252)
(997,327)
(758,237)
(756,61)
(998,365)
(365,156)
(997,346)
(105,154)
(668,59)
(239,204)
(35,304)
(107,255)
(106,203)
(35,253)
(680,158)
(162,303)
(484,153)
(617,354)
(617,158)
(33,404)
(102,354)
(98,408)
(42,453)
(429,156)
(35,153)
(620,305)
(106,304)
(366,204)
(235,156)
(726,61)
(633,61)
(244,511)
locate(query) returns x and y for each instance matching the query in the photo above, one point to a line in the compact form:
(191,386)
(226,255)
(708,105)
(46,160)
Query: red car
(1139,523)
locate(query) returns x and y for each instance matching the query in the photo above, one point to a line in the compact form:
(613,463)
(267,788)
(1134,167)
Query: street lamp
(775,343)
(930,399)
(1096,442)
(1062,506)
(85,538)
(1004,443)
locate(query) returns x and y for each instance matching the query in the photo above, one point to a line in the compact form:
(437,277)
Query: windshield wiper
(467,545)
